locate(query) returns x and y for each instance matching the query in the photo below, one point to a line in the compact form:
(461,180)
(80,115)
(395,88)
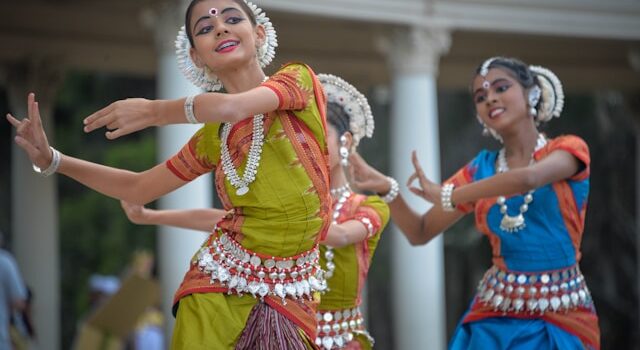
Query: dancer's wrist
(160,112)
(393,189)
(51,165)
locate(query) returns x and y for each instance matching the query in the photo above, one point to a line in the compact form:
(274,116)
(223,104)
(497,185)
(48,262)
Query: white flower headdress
(203,77)
(552,94)
(355,104)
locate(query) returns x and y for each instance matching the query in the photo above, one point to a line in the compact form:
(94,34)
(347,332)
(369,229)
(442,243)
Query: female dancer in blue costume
(530,200)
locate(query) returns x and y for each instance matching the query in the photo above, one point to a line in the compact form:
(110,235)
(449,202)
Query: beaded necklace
(515,223)
(343,193)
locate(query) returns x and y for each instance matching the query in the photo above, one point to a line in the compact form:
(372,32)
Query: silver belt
(338,327)
(518,292)
(244,271)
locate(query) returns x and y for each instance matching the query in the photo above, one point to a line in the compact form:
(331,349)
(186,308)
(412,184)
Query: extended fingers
(112,135)
(99,119)
(416,191)
(35,115)
(31,98)
(412,178)
(13,121)
(21,126)
(416,163)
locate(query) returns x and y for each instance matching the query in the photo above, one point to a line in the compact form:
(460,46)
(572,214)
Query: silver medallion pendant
(512,223)
(242,191)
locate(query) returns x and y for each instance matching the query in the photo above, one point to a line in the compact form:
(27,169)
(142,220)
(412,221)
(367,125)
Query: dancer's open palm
(122,117)
(30,135)
(426,188)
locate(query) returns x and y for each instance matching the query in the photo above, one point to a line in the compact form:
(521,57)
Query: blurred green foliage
(95,235)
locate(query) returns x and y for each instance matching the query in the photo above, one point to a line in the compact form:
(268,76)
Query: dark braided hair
(187,21)
(338,118)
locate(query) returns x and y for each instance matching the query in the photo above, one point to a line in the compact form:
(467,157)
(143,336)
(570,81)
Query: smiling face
(223,34)
(502,103)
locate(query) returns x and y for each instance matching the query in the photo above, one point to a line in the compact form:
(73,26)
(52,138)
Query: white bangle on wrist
(445,197)
(188,110)
(394,190)
(53,167)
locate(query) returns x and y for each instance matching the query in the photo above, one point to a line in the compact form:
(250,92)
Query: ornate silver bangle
(188,110)
(394,189)
(53,167)
(445,197)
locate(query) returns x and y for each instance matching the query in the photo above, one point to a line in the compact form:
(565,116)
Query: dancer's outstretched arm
(339,235)
(558,165)
(420,229)
(135,187)
(126,116)
(193,219)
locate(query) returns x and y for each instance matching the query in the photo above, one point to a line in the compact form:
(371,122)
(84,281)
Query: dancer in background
(529,198)
(358,221)
(255,282)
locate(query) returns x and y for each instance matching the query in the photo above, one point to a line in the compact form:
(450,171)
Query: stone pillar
(34,201)
(175,246)
(417,272)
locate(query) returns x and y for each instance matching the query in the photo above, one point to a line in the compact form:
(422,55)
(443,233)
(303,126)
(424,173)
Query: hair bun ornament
(203,77)
(552,101)
(355,104)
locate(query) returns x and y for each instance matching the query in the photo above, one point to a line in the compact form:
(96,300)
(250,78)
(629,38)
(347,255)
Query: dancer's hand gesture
(426,189)
(123,117)
(365,177)
(30,135)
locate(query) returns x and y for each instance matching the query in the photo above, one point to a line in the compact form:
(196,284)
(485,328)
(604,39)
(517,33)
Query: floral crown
(552,94)
(203,77)
(355,104)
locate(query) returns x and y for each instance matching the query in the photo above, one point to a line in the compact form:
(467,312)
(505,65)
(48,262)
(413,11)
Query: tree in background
(95,235)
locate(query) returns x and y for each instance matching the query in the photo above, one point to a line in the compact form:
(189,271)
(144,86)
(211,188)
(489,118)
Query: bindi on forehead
(495,75)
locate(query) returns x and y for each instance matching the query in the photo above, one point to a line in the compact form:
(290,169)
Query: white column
(175,246)
(34,203)
(417,272)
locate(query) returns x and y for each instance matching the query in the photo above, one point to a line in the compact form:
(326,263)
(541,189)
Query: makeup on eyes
(500,85)
(215,13)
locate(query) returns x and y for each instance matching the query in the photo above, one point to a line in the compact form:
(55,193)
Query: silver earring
(485,130)
(534,98)
(344,151)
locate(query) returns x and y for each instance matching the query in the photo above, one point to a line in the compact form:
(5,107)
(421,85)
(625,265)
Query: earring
(485,131)
(344,151)
(534,98)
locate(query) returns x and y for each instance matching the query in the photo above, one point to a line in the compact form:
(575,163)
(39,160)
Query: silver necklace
(516,223)
(343,193)
(253,159)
